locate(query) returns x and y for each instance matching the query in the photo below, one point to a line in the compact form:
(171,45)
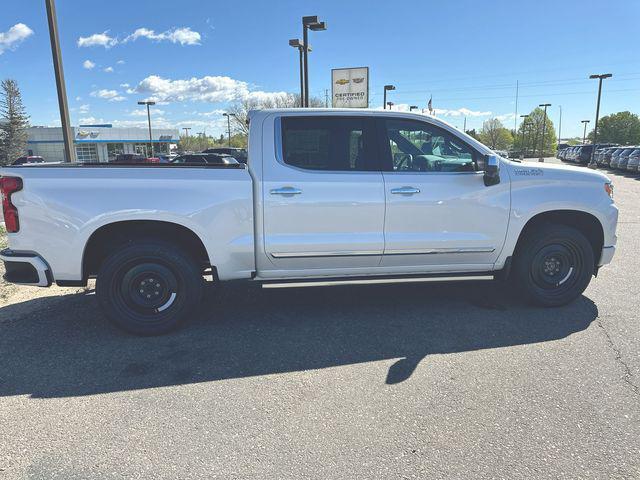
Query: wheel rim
(147,288)
(556,267)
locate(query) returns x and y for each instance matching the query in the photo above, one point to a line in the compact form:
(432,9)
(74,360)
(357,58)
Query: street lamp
(148,104)
(544,124)
(296,43)
(524,126)
(309,23)
(229,115)
(186,131)
(390,104)
(584,134)
(386,88)
(413,107)
(595,128)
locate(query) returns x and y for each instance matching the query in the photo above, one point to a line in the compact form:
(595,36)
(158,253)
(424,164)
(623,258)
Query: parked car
(633,164)
(623,158)
(204,158)
(615,157)
(28,160)
(583,154)
(129,158)
(606,158)
(240,154)
(315,205)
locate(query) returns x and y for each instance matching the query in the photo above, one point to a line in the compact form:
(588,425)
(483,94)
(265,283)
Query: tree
(495,135)
(622,128)
(529,136)
(240,111)
(14,122)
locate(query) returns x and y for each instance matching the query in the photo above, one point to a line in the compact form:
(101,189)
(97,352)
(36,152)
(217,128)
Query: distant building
(99,143)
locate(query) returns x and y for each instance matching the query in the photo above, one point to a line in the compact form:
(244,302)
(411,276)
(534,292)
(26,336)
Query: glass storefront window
(87,152)
(113,150)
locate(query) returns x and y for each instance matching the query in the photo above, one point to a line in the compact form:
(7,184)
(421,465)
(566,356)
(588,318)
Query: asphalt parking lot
(408,380)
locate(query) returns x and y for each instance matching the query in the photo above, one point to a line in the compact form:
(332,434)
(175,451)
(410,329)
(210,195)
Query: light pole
(296,43)
(544,124)
(186,131)
(524,126)
(228,126)
(308,23)
(584,134)
(70,152)
(148,104)
(560,123)
(413,107)
(387,88)
(595,128)
(390,104)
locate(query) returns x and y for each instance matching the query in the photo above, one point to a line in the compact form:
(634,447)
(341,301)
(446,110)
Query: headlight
(608,187)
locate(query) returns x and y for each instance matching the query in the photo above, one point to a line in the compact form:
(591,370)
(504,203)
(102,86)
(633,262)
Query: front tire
(149,288)
(553,265)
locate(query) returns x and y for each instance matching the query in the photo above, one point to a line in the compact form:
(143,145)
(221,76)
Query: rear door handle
(286,191)
(405,190)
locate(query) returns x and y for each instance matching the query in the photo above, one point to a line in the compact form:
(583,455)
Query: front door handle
(286,191)
(405,190)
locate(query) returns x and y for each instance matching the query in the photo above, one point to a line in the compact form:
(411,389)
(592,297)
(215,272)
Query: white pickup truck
(326,194)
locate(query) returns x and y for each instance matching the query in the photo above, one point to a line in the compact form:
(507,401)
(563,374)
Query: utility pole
(515,119)
(326,98)
(584,134)
(228,126)
(544,124)
(69,150)
(524,127)
(464,129)
(186,131)
(595,128)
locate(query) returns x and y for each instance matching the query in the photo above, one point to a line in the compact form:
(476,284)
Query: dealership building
(99,143)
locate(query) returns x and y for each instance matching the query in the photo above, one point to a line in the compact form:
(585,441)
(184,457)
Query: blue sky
(198,56)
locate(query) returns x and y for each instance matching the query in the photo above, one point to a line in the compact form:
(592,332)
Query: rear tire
(553,265)
(149,287)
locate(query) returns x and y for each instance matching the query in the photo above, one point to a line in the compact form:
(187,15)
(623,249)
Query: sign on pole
(350,87)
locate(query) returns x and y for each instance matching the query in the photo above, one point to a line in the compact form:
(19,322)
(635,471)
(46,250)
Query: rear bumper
(607,255)
(25,268)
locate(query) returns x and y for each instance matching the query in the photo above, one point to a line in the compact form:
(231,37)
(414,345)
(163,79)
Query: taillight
(8,186)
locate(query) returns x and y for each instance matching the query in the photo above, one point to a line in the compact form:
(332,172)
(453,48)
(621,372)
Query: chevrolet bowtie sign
(350,87)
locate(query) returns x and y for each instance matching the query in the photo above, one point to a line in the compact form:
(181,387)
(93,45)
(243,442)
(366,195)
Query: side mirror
(491,170)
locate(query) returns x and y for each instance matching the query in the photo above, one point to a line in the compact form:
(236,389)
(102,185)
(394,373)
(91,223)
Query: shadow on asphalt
(63,346)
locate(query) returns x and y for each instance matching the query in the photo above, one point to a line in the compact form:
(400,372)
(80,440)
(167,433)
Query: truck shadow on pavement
(63,346)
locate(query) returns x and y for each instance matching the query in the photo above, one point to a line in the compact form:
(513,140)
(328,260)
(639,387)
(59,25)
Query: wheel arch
(586,223)
(111,236)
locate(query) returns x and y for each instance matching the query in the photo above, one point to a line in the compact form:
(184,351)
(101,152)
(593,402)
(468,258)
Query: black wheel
(553,265)
(148,287)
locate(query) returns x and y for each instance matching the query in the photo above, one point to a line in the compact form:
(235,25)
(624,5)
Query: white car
(326,194)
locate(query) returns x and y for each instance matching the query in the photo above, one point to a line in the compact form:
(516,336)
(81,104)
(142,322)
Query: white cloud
(108,70)
(183,36)
(90,120)
(120,62)
(84,108)
(78,99)
(506,117)
(124,85)
(110,95)
(97,39)
(206,89)
(142,112)
(88,64)
(13,37)
(461,112)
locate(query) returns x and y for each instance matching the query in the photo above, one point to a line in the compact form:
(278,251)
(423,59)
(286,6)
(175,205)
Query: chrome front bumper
(24,268)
